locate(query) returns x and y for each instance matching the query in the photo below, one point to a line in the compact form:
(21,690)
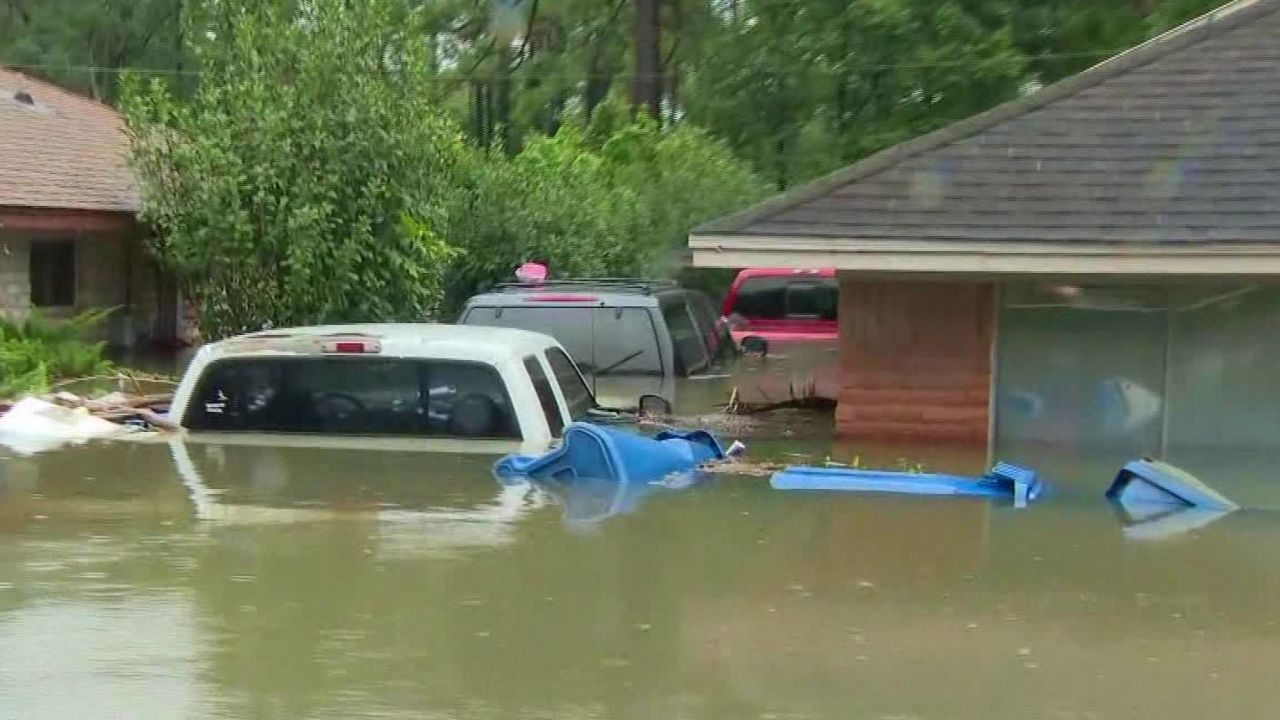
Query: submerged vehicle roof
(424,340)
(772,272)
(627,292)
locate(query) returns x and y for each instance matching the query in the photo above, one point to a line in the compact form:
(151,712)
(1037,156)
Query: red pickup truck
(791,316)
(783,306)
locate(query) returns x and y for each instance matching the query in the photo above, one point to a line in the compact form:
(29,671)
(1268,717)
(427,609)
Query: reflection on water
(258,582)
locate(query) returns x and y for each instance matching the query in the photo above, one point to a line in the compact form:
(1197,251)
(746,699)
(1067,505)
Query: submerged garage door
(1090,376)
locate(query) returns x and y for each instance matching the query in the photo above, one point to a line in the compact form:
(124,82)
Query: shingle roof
(64,151)
(1177,140)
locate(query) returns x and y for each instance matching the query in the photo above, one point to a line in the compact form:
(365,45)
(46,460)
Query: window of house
(53,274)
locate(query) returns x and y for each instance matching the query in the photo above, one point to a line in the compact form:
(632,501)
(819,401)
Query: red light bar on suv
(560,298)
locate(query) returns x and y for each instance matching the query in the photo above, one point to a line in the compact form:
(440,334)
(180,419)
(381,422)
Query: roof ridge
(1214,23)
(58,89)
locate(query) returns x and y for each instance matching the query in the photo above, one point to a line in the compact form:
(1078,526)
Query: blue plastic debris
(1002,481)
(603,453)
(1159,501)
(588,502)
(1150,487)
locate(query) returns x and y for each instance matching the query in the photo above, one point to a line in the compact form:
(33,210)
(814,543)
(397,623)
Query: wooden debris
(803,403)
(117,407)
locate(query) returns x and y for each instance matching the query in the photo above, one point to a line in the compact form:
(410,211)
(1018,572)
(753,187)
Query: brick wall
(915,360)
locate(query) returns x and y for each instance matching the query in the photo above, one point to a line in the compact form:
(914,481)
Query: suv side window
(705,314)
(546,395)
(353,396)
(690,347)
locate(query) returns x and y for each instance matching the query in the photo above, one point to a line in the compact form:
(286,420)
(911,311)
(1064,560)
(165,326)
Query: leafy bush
(303,181)
(612,200)
(36,352)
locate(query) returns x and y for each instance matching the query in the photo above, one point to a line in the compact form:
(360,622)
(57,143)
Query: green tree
(798,88)
(613,197)
(306,179)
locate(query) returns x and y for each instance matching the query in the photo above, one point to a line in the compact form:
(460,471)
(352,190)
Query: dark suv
(629,337)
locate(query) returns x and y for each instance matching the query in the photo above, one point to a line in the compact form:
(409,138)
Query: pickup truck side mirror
(654,405)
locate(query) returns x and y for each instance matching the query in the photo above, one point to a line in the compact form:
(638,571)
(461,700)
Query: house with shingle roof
(1090,265)
(69,238)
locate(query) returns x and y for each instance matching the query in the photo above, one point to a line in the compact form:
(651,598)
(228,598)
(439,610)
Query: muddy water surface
(267,583)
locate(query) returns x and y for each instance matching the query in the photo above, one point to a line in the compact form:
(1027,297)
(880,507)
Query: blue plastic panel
(1004,481)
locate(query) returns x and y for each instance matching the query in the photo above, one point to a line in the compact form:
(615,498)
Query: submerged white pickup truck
(444,388)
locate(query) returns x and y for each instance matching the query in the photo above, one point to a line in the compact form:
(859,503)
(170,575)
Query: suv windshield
(776,298)
(357,396)
(601,340)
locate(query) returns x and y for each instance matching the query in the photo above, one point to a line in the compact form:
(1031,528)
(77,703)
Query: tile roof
(1174,141)
(64,151)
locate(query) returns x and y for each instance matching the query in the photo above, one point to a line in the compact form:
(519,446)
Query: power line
(467,77)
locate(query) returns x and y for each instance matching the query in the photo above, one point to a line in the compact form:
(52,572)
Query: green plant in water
(39,351)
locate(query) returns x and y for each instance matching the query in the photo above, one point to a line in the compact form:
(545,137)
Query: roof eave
(993,258)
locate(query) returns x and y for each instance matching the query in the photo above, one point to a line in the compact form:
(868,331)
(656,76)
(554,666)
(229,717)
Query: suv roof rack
(643,285)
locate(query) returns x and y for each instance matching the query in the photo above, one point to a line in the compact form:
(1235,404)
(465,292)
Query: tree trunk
(647,34)
(780,161)
(502,99)
(554,110)
(598,79)
(480,112)
(673,89)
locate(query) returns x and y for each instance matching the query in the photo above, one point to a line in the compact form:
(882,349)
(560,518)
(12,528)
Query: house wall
(915,360)
(111,270)
(15,284)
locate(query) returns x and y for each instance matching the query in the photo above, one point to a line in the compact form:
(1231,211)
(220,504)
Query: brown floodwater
(271,583)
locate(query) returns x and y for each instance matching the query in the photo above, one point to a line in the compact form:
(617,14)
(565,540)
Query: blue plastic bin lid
(1143,486)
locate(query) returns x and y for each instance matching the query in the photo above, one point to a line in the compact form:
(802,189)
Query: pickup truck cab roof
(392,386)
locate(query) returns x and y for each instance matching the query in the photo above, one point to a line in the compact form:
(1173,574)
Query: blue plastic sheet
(1003,481)
(601,472)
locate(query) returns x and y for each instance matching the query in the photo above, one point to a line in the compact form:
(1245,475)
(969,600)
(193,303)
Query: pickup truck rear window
(777,298)
(353,396)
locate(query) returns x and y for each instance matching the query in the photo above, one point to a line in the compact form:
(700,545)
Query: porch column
(915,360)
